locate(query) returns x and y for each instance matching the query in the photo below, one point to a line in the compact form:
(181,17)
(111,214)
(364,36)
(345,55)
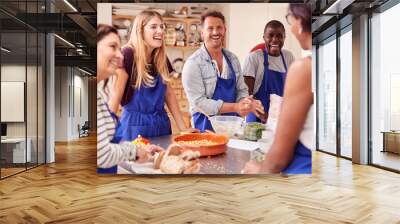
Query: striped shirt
(109,154)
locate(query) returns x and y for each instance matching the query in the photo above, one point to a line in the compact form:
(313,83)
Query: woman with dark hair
(290,152)
(109,152)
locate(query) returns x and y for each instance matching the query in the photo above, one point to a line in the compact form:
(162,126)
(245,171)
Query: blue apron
(273,83)
(301,163)
(225,90)
(145,114)
(112,169)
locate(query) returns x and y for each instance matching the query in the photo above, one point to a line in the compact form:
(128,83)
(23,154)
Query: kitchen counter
(231,162)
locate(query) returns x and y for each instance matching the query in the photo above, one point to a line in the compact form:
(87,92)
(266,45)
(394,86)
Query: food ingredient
(198,142)
(141,141)
(253,130)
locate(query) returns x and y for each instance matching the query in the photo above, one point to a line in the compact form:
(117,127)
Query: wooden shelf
(168,18)
(171,20)
(189,20)
(183,48)
(115,17)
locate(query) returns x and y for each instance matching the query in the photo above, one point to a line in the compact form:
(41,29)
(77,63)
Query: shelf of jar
(187,19)
(183,47)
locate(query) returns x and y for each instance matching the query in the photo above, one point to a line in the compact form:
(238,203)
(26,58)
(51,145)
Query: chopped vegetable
(141,141)
(253,130)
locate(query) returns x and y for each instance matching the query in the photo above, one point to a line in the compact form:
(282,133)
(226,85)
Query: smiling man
(265,69)
(212,77)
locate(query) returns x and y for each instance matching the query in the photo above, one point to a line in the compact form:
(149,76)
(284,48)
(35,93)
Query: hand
(144,153)
(243,107)
(252,167)
(263,117)
(258,109)
(152,149)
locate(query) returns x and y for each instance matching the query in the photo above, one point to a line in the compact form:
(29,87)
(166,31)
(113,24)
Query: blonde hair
(159,56)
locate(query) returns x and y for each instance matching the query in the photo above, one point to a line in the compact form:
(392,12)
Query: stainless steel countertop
(231,162)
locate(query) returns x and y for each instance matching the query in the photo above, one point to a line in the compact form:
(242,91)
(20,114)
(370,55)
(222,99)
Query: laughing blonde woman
(143,85)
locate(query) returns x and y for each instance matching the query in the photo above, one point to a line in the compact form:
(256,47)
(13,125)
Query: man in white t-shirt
(265,69)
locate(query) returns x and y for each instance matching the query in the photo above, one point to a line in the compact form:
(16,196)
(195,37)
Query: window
(346,74)
(327,96)
(385,88)
(22,76)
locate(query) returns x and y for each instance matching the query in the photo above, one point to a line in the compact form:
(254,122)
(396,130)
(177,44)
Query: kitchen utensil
(219,146)
(228,125)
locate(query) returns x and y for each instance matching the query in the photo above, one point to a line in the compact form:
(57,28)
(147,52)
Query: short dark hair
(303,12)
(103,30)
(274,24)
(212,13)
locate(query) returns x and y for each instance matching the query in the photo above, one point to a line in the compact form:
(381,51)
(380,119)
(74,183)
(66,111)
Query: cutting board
(243,144)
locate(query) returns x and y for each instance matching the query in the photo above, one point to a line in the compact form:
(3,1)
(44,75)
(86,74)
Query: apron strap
(266,68)
(232,74)
(284,62)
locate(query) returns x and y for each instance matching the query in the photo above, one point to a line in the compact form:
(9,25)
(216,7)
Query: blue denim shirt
(199,79)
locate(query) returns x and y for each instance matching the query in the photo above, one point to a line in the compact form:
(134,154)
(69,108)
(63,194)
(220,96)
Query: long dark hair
(103,30)
(303,12)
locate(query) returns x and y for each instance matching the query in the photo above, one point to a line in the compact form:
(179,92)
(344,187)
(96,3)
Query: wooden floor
(10,171)
(387,159)
(5,172)
(70,191)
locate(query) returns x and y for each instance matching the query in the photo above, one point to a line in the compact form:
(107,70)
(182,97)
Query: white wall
(80,83)
(61,103)
(246,22)
(104,15)
(12,72)
(66,100)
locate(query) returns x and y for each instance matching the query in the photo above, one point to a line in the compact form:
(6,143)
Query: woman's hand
(144,153)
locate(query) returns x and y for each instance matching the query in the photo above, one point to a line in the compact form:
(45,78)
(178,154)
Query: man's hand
(243,107)
(258,109)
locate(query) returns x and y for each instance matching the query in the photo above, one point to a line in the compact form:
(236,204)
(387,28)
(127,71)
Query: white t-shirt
(225,68)
(254,65)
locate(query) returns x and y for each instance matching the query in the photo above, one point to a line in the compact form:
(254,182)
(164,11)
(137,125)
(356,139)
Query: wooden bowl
(219,147)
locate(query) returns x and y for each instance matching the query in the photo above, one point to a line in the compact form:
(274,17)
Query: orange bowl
(198,142)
